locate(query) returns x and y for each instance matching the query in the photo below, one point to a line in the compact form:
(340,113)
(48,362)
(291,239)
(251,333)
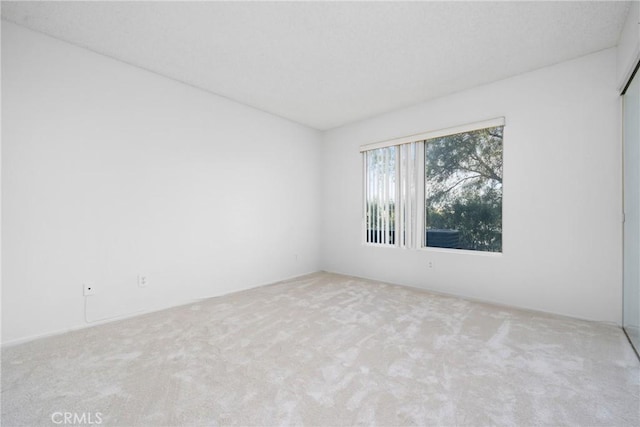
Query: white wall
(629,45)
(562,194)
(109,171)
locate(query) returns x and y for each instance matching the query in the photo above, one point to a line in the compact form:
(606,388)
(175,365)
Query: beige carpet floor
(328,350)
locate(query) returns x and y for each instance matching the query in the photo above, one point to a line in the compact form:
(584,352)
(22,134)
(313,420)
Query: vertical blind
(390,195)
(380,175)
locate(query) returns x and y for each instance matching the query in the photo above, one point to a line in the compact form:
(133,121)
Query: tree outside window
(463,190)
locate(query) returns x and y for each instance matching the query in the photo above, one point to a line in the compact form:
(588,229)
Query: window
(439,189)
(463,190)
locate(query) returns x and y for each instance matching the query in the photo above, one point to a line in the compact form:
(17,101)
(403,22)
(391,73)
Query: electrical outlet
(143,280)
(88,289)
(430,264)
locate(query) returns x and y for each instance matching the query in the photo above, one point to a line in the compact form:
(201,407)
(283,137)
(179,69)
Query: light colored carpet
(329,350)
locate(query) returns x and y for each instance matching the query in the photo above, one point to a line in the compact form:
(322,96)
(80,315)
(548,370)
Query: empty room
(320,213)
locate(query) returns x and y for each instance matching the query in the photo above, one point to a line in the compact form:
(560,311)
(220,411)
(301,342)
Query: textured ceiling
(325,64)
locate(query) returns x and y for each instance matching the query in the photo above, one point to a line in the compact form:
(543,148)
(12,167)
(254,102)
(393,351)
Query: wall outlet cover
(143,280)
(88,289)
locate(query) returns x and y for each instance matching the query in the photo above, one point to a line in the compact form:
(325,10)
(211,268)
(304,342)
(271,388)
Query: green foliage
(463,178)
